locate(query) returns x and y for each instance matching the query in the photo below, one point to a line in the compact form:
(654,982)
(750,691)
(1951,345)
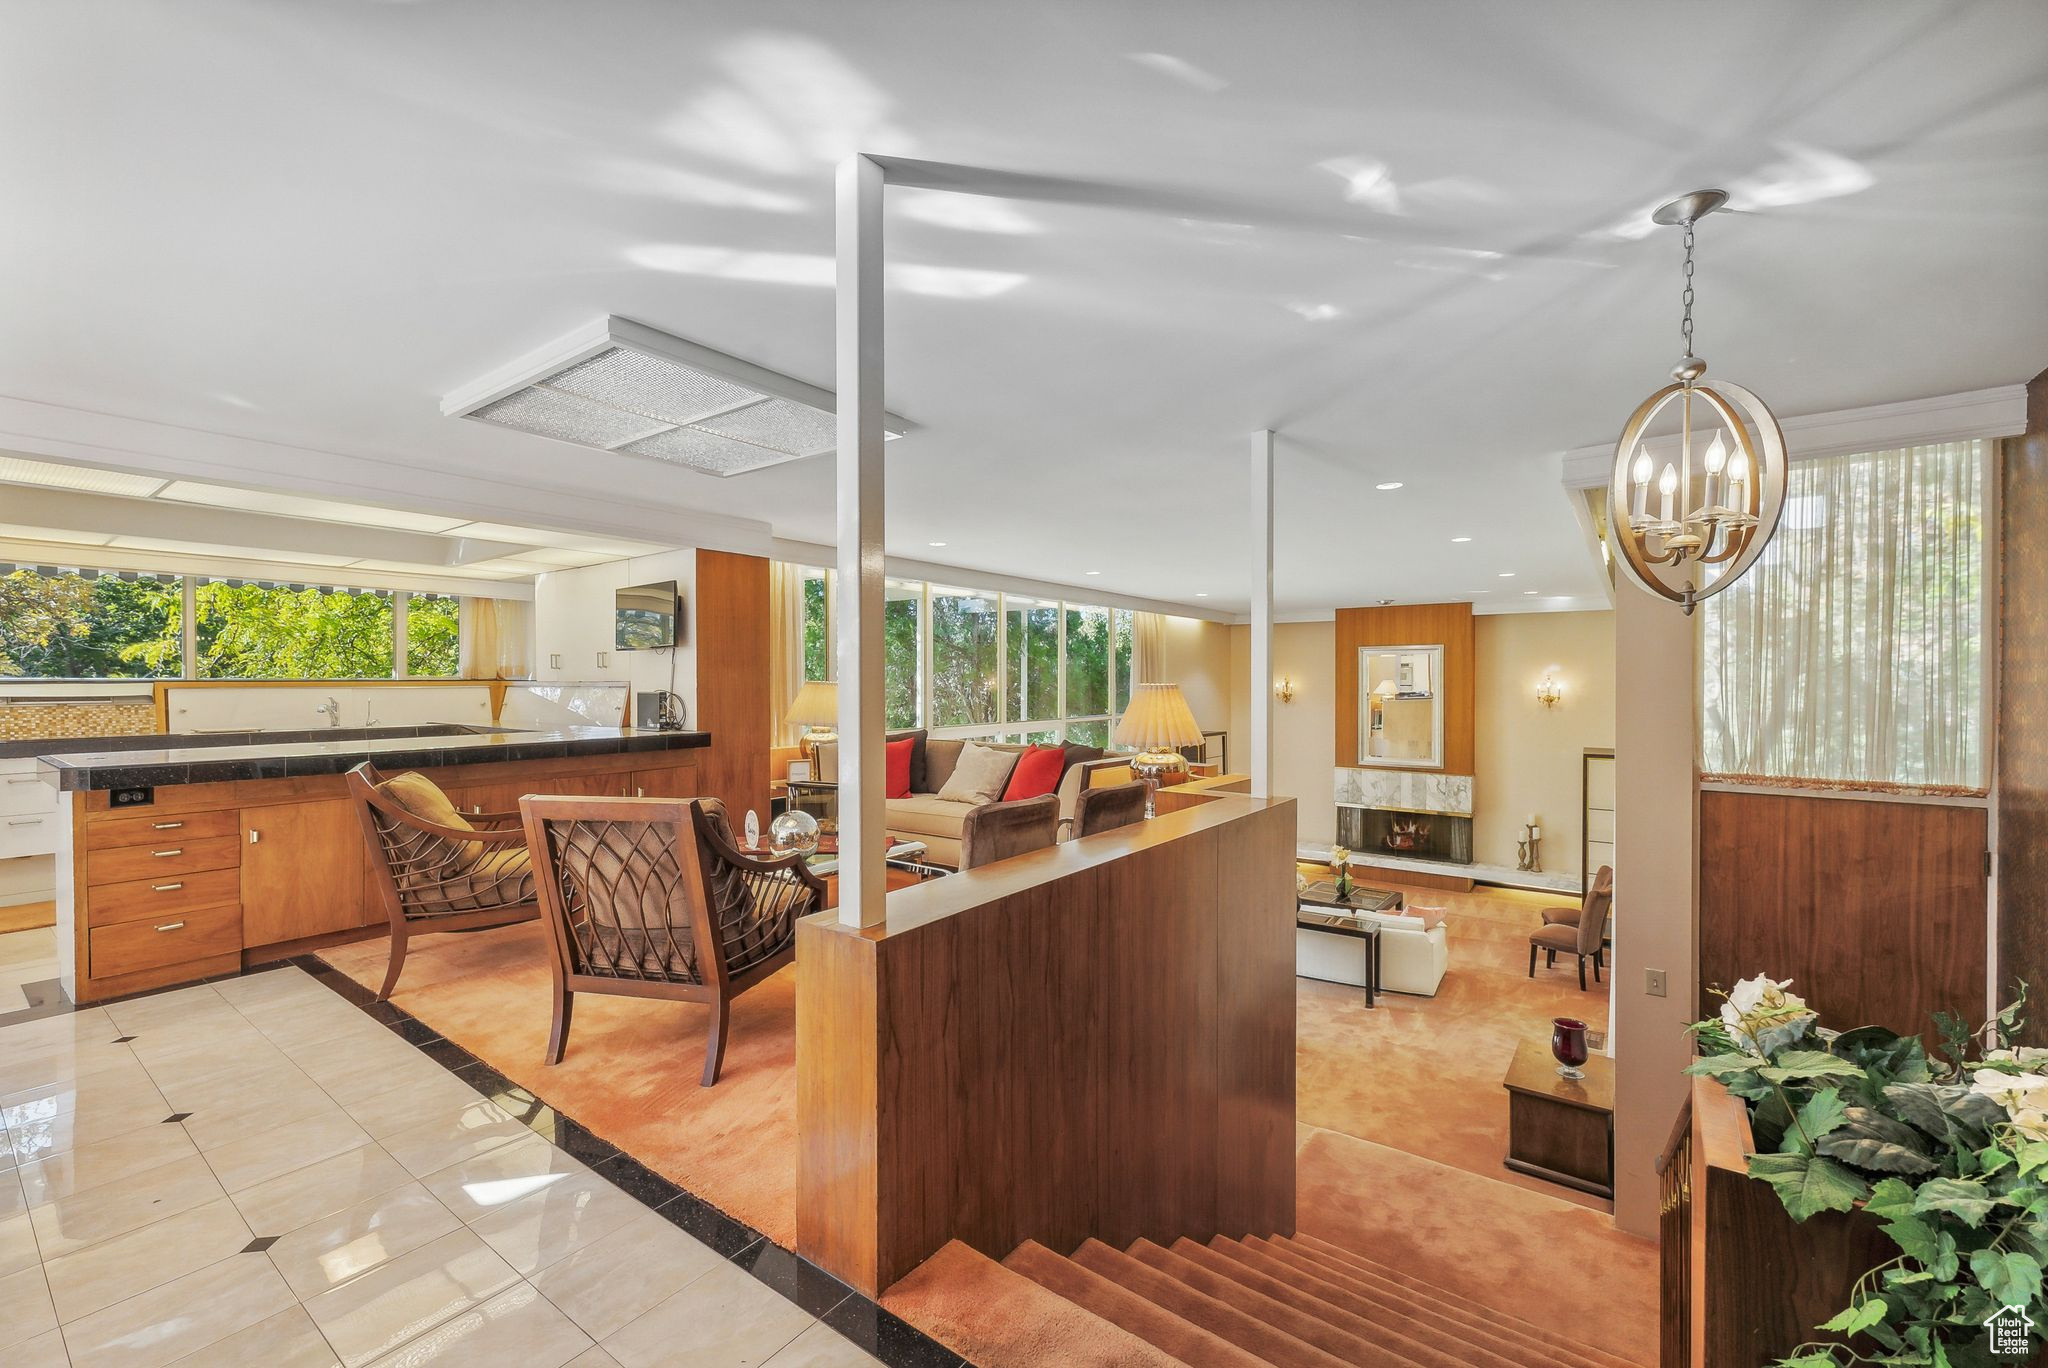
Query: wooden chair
(652,898)
(1106,809)
(439,869)
(996,831)
(1584,936)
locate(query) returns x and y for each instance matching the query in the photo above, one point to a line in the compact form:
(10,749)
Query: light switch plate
(1653,982)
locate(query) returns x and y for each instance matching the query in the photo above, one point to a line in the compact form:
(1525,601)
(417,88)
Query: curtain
(497,638)
(1852,653)
(1148,649)
(785,648)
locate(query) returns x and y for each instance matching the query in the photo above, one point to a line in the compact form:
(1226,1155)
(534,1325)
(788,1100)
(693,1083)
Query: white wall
(572,619)
(1528,757)
(1305,730)
(1196,655)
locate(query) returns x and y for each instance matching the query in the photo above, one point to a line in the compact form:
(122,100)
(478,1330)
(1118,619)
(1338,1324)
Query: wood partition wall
(1095,1040)
(729,624)
(1420,624)
(1876,909)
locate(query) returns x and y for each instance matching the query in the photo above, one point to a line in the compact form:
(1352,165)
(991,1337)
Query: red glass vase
(1568,1045)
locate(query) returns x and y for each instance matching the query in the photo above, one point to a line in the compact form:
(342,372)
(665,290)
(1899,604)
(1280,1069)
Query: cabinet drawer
(159,941)
(28,834)
(157,863)
(20,793)
(140,898)
(165,827)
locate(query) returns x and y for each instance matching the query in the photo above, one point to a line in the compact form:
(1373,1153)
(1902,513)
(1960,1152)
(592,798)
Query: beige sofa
(923,816)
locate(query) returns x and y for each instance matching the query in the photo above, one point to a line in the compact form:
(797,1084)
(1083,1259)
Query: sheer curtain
(785,648)
(496,638)
(1852,654)
(1148,649)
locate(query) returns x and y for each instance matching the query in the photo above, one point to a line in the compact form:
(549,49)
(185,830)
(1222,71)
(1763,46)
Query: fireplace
(1370,831)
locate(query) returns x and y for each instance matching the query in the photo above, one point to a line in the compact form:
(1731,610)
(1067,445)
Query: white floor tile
(89,1166)
(323,1254)
(44,1351)
(18,1245)
(85,1218)
(25,1310)
(380,1310)
(244,1163)
(594,1357)
(724,1317)
(516,1326)
(412,1105)
(607,1284)
(290,1200)
(545,1226)
(180,1317)
(452,1139)
(288,1339)
(476,1187)
(127,1265)
(823,1347)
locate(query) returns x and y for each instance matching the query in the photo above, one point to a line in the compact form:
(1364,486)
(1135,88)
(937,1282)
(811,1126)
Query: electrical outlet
(1653,982)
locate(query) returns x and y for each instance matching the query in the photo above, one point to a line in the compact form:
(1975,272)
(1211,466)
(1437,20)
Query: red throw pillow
(1037,773)
(899,766)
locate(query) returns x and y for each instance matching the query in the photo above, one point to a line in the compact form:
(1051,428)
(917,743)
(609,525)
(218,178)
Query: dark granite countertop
(65,745)
(202,760)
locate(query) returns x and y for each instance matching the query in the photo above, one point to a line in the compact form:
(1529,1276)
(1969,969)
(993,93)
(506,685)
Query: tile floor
(26,957)
(256,1171)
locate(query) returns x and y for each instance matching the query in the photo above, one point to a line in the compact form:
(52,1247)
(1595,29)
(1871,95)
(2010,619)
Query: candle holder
(1528,850)
(1568,1046)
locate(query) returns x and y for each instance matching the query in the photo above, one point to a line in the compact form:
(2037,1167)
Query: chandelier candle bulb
(1645,468)
(1667,485)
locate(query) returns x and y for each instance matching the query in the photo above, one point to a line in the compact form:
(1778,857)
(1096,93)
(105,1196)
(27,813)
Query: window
(259,630)
(964,659)
(1090,654)
(1032,663)
(902,679)
(433,635)
(1852,653)
(1120,623)
(817,594)
(63,623)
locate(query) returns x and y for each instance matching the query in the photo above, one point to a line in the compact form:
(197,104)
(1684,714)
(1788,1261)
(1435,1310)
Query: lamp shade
(1385,689)
(1158,719)
(816,704)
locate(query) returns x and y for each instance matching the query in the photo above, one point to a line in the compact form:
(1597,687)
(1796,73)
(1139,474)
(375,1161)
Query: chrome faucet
(331,710)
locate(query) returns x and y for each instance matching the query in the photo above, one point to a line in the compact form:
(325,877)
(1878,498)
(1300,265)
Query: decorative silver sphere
(793,833)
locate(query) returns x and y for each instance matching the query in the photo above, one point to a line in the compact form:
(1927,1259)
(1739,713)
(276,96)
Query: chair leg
(1582,973)
(1550,959)
(1532,960)
(714,1048)
(1596,967)
(558,1034)
(398,939)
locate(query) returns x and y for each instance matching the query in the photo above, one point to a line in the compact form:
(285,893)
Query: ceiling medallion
(1720,479)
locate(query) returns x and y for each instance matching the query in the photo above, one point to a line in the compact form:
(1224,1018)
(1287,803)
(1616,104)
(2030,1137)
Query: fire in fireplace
(1415,835)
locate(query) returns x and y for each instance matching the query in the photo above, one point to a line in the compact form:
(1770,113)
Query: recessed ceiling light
(1461,539)
(191,548)
(617,385)
(934,543)
(1507,574)
(298,506)
(1528,591)
(55,475)
(1388,484)
(1094,572)
(1201,596)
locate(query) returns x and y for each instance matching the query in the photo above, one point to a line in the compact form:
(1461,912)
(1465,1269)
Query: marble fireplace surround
(1407,790)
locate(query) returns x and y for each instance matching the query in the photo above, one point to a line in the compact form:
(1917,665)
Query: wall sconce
(1284,690)
(1549,691)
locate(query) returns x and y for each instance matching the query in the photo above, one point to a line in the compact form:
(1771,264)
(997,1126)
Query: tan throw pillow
(980,775)
(423,798)
(940,756)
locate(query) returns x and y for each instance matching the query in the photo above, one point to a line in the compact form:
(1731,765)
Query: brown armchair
(1584,936)
(1106,809)
(439,869)
(996,831)
(651,897)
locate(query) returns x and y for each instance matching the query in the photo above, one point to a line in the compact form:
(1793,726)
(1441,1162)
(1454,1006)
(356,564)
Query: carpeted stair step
(998,1318)
(1378,1277)
(1165,1330)
(1266,1342)
(1349,1337)
(1377,1300)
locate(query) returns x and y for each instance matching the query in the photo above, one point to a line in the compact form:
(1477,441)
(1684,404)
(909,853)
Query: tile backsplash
(109,717)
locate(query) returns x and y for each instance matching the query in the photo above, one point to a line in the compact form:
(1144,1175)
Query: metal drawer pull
(165,888)
(165,826)
(26,779)
(25,821)
(165,854)
(172,926)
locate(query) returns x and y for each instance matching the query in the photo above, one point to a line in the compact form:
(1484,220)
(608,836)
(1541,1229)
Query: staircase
(1291,1302)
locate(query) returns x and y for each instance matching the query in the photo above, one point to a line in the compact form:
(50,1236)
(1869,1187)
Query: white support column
(1262,614)
(857,621)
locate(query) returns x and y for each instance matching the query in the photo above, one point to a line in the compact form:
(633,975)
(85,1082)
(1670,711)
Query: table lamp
(1157,723)
(816,709)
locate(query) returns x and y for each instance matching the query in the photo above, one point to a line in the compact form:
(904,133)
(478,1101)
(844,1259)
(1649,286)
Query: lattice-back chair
(652,897)
(437,868)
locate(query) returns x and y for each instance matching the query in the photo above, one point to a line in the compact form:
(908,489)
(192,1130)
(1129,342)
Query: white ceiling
(1389,231)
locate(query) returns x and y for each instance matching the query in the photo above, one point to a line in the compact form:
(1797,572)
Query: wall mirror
(1401,706)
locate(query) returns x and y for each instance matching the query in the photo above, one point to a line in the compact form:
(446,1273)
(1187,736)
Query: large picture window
(1852,653)
(66,623)
(251,629)
(433,636)
(964,661)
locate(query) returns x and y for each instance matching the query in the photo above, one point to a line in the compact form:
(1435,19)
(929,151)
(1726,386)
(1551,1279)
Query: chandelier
(1689,512)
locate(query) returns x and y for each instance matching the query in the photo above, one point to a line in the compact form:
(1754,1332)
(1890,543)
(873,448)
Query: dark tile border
(888,1337)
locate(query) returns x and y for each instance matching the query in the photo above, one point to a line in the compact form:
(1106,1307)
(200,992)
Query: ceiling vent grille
(618,385)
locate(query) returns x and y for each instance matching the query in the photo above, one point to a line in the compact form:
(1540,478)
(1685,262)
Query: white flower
(2014,1092)
(1760,1012)
(2031,1122)
(2027,1057)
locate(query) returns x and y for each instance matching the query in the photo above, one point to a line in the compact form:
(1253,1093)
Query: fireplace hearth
(1372,831)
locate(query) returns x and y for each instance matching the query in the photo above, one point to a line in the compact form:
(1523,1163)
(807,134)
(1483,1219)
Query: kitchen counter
(146,762)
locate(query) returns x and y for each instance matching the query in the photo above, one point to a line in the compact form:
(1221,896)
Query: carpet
(632,1066)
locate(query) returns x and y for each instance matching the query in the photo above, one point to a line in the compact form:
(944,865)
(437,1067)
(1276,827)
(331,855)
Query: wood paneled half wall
(1875,909)
(730,629)
(1418,624)
(1091,1040)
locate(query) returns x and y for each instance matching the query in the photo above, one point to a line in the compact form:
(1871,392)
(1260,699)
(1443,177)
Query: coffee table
(1324,894)
(1561,1129)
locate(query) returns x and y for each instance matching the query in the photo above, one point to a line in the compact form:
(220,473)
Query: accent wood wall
(2023,709)
(1423,624)
(729,625)
(1876,910)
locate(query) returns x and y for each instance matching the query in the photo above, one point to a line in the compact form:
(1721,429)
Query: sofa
(1414,953)
(924,816)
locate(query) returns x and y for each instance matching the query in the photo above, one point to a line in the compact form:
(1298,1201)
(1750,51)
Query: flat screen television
(648,617)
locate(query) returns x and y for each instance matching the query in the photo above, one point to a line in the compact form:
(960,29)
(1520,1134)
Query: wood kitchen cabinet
(673,781)
(304,871)
(504,797)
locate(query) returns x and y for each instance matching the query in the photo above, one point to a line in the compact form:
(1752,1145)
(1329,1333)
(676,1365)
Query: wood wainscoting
(1419,624)
(1095,1040)
(1876,909)
(730,629)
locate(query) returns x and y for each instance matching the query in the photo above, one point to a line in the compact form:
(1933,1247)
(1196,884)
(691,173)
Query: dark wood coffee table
(1360,899)
(1318,908)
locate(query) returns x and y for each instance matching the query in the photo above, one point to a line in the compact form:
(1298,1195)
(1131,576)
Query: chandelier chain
(1685,326)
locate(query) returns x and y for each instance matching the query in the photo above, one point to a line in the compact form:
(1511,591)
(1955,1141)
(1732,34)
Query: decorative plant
(1947,1152)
